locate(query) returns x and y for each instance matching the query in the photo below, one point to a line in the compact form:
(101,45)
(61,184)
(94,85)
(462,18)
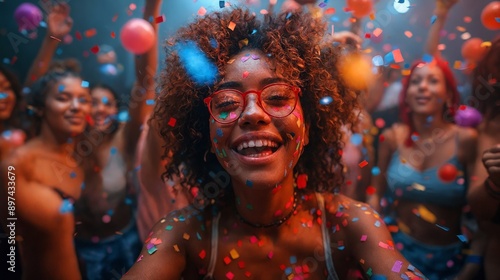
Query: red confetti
(160,19)
(113,35)
(172,122)
(381,138)
(89,120)
(95,49)
(202,254)
(302,181)
(78,35)
(370,190)
(227,260)
(90,33)
(368,35)
(13,60)
(363,163)
(248,274)
(462,107)
(241,264)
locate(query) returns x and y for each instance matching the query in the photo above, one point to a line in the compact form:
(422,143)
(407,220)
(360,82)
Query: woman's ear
(306,134)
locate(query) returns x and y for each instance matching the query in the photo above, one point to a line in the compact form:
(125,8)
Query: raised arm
(441,14)
(59,24)
(144,86)
(385,150)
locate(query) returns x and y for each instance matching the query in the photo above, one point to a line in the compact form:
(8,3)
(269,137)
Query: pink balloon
(137,36)
(28,16)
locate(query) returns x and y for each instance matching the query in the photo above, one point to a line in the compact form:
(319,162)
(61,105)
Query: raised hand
(59,21)
(491,161)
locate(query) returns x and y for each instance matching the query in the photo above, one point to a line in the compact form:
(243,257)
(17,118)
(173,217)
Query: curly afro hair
(294,42)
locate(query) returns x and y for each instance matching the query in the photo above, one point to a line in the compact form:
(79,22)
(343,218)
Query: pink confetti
(363,237)
(397,266)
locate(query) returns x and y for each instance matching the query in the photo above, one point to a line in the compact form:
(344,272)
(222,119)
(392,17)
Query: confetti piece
(90,32)
(426,215)
(66,206)
(377,32)
(85,84)
(186,236)
(293,259)
(363,237)
(202,11)
(94,49)
(433,19)
(231,26)
(160,19)
(229,275)
(301,181)
(397,266)
(363,164)
(408,34)
(234,254)
(418,187)
(462,238)
(113,35)
(176,248)
(202,254)
(172,122)
(398,57)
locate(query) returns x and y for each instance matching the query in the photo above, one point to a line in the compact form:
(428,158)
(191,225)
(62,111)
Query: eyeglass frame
(296,90)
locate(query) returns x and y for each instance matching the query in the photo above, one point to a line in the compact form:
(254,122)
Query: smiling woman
(48,179)
(258,145)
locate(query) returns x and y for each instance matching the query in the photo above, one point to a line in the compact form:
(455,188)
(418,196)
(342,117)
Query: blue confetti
(43,24)
(462,238)
(293,259)
(198,66)
(253,32)
(249,183)
(429,119)
(85,84)
(7,134)
(427,58)
(414,138)
(6,61)
(3,95)
(66,206)
(326,100)
(335,19)
(356,139)
(219,132)
(222,4)
(377,223)
(104,100)
(288,270)
(110,212)
(123,116)
(60,88)
(150,102)
(442,227)
(379,276)
(113,150)
(72,174)
(82,186)
(433,19)
(59,51)
(377,60)
(375,171)
(389,58)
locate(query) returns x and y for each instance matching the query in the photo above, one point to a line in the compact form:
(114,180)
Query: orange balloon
(472,50)
(360,8)
(490,15)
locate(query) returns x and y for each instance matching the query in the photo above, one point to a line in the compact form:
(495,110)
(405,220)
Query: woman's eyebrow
(267,81)
(226,85)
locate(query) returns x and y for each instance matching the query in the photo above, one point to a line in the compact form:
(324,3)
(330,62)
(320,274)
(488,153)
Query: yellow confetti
(372,16)
(426,214)
(231,26)
(418,187)
(234,254)
(186,236)
(457,64)
(243,43)
(404,228)
(486,44)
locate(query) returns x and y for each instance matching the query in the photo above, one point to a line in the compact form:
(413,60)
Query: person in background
(107,239)
(484,196)
(45,179)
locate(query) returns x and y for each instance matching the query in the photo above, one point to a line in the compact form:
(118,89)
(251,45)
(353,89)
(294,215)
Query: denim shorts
(111,257)
(435,262)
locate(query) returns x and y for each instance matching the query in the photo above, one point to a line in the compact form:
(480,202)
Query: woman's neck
(54,141)
(265,207)
(426,126)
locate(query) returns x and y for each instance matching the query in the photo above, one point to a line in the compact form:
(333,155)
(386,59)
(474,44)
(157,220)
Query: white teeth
(257,143)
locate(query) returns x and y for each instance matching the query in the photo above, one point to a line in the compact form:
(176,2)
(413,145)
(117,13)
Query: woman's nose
(253,113)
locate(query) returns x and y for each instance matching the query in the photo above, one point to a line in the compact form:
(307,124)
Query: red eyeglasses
(277,100)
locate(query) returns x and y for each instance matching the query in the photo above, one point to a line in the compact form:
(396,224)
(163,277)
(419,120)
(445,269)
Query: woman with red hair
(424,162)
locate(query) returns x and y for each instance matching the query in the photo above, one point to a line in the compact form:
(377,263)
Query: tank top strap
(213,249)
(332,274)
